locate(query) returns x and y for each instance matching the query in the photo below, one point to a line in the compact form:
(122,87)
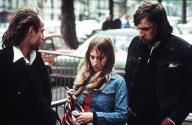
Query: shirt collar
(17,54)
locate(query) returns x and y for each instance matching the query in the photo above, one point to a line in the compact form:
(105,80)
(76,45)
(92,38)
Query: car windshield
(59,43)
(185,28)
(54,42)
(121,39)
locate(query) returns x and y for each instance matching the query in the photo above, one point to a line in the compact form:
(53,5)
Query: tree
(184,5)
(111,8)
(68,29)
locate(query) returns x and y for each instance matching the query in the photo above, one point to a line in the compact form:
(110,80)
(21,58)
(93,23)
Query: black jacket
(25,91)
(169,67)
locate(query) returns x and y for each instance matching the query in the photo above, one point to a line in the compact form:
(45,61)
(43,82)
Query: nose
(95,62)
(43,36)
(141,33)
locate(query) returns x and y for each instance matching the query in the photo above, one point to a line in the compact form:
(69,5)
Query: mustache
(144,40)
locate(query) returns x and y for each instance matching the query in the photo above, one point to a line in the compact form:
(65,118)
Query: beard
(145,41)
(35,45)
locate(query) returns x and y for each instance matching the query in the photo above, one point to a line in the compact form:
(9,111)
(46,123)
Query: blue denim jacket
(110,103)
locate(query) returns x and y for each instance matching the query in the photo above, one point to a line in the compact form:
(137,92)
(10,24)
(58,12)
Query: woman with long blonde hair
(101,92)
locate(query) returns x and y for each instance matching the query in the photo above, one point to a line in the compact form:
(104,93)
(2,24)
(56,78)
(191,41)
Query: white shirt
(17,54)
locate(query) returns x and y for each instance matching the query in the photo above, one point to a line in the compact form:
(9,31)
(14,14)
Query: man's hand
(84,117)
(166,121)
(131,112)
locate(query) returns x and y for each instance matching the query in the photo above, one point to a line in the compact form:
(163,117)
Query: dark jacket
(25,91)
(168,72)
(108,24)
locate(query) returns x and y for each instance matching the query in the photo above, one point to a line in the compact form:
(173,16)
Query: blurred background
(70,25)
(88,15)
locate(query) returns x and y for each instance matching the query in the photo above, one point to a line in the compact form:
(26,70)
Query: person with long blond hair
(101,92)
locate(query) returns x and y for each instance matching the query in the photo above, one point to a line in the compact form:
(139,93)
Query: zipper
(152,49)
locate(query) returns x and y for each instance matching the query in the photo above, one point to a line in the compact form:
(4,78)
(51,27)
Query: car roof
(128,32)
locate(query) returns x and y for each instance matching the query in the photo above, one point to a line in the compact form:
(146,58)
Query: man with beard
(157,71)
(25,88)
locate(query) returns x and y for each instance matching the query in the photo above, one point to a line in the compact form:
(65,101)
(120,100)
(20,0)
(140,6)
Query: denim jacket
(110,103)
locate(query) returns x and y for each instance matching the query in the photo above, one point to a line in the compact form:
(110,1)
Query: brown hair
(156,14)
(85,70)
(19,24)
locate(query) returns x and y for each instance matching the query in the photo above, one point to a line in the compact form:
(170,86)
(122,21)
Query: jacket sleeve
(120,113)
(44,101)
(128,67)
(184,106)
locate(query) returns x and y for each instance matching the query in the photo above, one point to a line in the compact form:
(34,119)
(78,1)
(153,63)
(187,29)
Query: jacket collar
(17,54)
(169,43)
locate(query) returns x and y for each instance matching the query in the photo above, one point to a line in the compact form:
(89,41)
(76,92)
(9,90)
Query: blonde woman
(101,92)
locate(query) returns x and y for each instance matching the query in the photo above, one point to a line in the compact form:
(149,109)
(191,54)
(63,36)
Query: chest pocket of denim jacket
(107,93)
(104,100)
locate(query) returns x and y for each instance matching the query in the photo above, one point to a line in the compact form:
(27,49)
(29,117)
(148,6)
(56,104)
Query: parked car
(85,28)
(186,28)
(64,66)
(55,43)
(119,37)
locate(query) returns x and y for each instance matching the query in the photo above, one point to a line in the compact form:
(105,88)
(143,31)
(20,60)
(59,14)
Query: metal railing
(63,68)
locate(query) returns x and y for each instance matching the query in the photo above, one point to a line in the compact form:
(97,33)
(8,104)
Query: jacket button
(131,84)
(19,92)
(138,102)
(142,84)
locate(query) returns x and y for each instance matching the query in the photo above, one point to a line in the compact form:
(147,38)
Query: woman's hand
(84,117)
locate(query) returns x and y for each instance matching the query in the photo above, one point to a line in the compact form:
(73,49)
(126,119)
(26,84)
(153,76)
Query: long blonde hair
(86,79)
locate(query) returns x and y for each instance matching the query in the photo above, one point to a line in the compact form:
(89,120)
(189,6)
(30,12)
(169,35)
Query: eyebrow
(145,28)
(100,57)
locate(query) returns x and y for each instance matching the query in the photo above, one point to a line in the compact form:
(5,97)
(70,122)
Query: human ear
(31,30)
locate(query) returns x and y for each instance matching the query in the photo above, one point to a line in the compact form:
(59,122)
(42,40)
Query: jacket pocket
(133,64)
(104,100)
(131,71)
(107,94)
(170,72)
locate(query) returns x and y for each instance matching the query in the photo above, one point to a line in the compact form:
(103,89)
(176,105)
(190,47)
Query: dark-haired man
(157,71)
(25,88)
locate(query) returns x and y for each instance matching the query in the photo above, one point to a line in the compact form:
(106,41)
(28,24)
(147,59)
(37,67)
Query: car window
(59,43)
(47,45)
(54,43)
(185,28)
(121,39)
(122,42)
